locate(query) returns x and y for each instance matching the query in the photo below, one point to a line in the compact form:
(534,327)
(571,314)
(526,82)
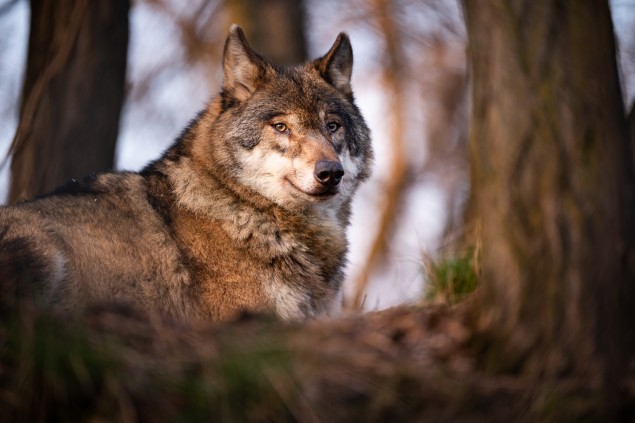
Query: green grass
(452,277)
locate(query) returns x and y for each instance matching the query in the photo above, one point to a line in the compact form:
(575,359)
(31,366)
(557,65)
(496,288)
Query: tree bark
(631,128)
(553,187)
(275,28)
(73,93)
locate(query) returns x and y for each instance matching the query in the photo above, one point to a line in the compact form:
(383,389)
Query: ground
(410,363)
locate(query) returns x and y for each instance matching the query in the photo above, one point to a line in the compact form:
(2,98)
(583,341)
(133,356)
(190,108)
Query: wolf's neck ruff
(246,216)
(247,211)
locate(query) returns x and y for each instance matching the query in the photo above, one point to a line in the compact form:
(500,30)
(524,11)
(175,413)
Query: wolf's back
(95,241)
(22,268)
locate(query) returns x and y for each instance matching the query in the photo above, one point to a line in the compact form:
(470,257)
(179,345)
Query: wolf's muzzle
(328,172)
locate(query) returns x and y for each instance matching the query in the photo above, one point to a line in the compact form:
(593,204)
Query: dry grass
(403,364)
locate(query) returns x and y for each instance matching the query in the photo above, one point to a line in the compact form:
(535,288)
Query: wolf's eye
(333,126)
(280,127)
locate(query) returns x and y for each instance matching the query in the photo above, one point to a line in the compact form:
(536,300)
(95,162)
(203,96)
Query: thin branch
(393,194)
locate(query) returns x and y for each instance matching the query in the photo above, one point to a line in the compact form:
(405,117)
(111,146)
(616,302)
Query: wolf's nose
(328,172)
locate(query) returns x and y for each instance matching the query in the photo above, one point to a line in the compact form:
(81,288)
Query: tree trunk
(73,93)
(275,28)
(631,127)
(553,186)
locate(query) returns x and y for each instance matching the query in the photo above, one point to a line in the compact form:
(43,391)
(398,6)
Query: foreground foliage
(116,364)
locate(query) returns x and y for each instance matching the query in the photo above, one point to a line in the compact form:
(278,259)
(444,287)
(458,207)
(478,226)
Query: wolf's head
(292,135)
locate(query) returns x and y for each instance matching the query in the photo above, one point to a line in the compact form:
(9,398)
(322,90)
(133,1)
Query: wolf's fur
(232,218)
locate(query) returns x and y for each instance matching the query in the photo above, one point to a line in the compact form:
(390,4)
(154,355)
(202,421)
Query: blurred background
(410,80)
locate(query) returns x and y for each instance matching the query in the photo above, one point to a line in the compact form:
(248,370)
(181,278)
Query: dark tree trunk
(275,28)
(553,186)
(631,127)
(73,93)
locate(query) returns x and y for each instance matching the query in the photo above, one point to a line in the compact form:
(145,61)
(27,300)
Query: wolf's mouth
(325,194)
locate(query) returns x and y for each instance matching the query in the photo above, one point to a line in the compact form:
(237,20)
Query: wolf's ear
(243,68)
(337,65)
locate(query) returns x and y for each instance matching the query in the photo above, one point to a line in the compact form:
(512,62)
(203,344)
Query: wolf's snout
(328,172)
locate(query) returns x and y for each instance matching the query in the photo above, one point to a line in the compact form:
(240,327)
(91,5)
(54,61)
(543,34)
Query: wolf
(246,212)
